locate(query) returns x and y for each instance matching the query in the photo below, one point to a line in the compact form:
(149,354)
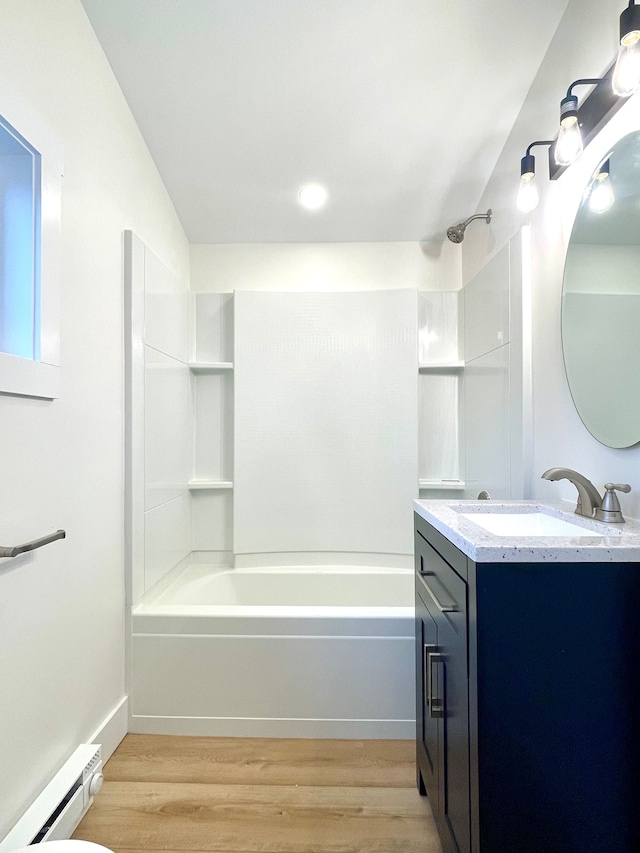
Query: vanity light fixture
(620,80)
(626,75)
(569,142)
(601,195)
(527,199)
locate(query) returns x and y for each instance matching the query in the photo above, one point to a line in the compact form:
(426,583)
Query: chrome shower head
(456,232)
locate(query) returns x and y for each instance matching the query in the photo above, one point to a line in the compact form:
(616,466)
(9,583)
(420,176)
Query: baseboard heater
(63,803)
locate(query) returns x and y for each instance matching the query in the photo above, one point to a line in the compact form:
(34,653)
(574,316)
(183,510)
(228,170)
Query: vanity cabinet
(528,701)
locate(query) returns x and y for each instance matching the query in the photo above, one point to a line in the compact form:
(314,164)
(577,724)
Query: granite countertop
(620,543)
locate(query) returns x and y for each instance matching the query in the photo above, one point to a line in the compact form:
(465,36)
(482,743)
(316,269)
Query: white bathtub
(322,651)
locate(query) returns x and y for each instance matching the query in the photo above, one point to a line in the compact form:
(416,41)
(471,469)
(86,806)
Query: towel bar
(31,546)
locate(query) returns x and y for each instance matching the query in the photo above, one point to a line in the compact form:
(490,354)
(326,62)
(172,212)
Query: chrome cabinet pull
(448,606)
(31,546)
(427,651)
(436,703)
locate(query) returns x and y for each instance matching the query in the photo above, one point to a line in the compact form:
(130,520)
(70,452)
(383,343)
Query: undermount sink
(526,524)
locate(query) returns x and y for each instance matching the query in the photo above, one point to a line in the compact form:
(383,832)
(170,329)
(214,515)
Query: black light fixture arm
(539,142)
(528,162)
(569,105)
(584,81)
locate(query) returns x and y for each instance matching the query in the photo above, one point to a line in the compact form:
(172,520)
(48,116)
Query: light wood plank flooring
(260,795)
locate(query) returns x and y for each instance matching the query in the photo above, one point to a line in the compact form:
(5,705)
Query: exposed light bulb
(569,144)
(601,196)
(527,199)
(626,75)
(312,196)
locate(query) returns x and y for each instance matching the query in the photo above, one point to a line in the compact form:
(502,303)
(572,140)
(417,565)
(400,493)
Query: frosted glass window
(19,245)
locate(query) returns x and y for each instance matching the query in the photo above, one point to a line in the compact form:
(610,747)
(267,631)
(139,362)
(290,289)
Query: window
(19,245)
(30,189)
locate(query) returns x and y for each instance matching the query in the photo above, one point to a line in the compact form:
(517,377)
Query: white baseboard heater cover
(63,803)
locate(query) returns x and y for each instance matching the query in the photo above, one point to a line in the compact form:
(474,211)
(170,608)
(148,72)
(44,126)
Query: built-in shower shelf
(210,366)
(197,485)
(446,365)
(440,485)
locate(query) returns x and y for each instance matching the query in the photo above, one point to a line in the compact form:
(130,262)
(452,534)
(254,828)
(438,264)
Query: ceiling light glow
(312,196)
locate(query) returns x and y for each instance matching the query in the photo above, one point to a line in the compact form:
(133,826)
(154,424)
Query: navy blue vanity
(528,685)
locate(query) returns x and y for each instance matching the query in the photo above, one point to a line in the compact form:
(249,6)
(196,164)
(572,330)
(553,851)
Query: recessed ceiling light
(312,196)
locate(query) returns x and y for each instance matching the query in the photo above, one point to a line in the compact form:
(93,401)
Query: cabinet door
(450,683)
(426,723)
(447,686)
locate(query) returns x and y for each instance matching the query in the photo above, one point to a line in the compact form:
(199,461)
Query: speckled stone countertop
(620,543)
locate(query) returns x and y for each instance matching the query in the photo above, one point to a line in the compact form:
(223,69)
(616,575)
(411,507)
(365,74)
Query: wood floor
(260,795)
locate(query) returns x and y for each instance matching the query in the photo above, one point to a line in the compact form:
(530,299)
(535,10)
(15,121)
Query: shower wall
(159,419)
(441,367)
(326,421)
(312,443)
(211,484)
(265,425)
(497,375)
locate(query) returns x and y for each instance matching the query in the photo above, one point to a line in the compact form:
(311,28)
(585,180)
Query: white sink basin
(526,524)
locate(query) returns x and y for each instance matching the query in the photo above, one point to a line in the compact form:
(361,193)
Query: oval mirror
(601,300)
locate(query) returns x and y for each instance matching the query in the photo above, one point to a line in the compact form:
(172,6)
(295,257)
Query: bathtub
(295,651)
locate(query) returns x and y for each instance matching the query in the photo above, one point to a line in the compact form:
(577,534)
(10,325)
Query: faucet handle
(618,487)
(610,510)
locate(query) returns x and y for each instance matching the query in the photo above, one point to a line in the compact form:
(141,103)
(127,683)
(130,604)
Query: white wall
(584,45)
(62,611)
(325,266)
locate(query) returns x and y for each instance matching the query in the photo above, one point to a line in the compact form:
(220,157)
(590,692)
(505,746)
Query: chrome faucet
(590,504)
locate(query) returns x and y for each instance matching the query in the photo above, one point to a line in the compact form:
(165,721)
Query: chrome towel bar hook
(31,546)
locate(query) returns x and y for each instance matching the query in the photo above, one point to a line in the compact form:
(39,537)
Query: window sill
(21,377)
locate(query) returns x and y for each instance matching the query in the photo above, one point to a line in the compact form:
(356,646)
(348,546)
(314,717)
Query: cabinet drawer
(440,587)
(447,550)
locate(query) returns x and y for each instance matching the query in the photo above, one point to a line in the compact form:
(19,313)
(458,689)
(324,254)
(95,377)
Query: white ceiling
(399,107)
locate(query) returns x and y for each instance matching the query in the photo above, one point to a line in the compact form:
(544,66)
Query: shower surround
(272,460)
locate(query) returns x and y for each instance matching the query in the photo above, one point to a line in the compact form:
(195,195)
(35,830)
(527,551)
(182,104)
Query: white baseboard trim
(277,728)
(112,729)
